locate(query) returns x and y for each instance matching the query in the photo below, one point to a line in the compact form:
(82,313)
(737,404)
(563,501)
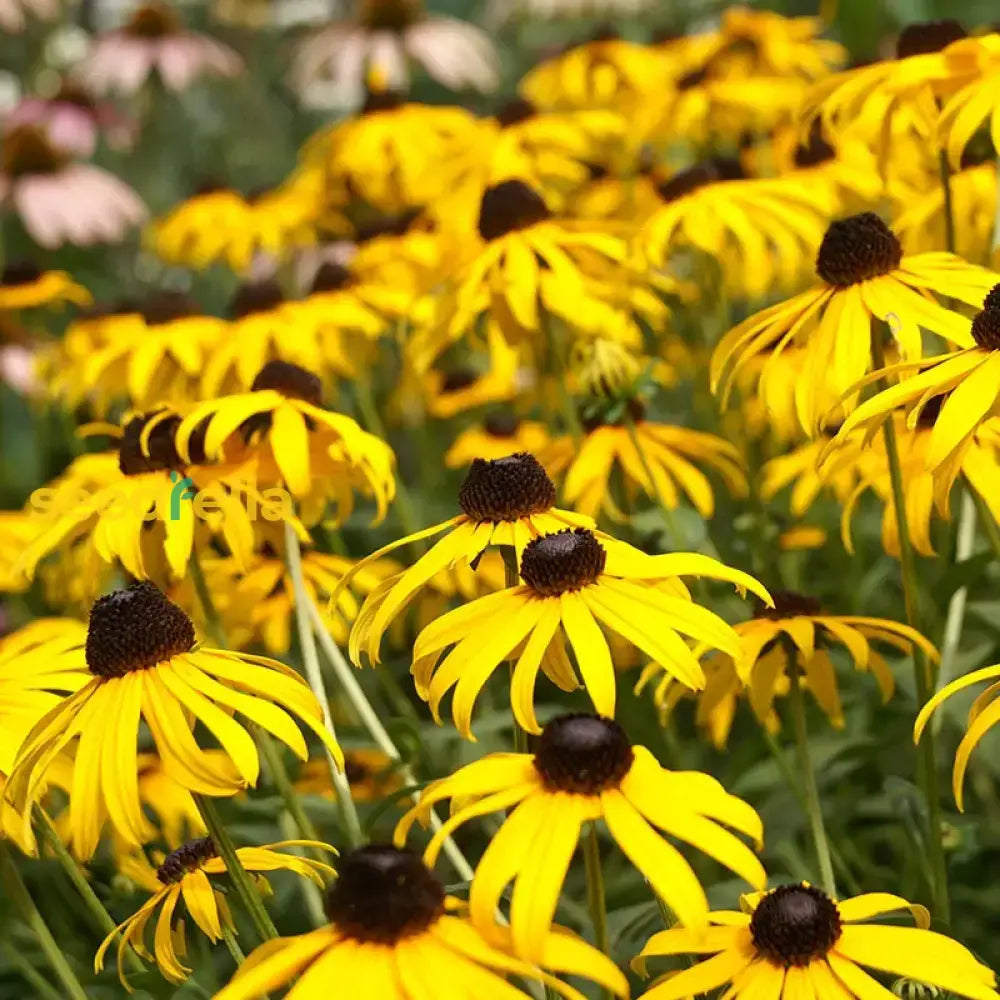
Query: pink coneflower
(73,120)
(154,38)
(384,36)
(60,201)
(14,13)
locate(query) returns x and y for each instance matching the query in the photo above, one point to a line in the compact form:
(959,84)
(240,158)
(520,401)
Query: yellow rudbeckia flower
(585,769)
(794,942)
(395,935)
(863,276)
(282,418)
(573,583)
(145,666)
(977,63)
(184,876)
(501,433)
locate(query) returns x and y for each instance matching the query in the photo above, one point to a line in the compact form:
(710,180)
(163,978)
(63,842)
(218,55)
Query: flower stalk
(595,889)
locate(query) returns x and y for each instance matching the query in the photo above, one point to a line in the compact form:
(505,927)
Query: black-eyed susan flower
(585,769)
(863,276)
(184,876)
(501,433)
(140,505)
(525,264)
(283,418)
(796,627)
(661,460)
(976,63)
(389,154)
(25,286)
(149,354)
(794,941)
(965,379)
(221,224)
(394,934)
(145,666)
(505,502)
(983,715)
(573,583)
(758,230)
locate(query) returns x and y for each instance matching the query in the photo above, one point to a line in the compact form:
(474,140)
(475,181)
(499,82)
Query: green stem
(245,889)
(559,369)
(965,538)
(40,985)
(232,944)
(314,676)
(102,919)
(18,893)
(927,774)
(213,622)
(813,807)
(987,522)
(595,890)
(374,423)
(512,578)
(370,720)
(839,862)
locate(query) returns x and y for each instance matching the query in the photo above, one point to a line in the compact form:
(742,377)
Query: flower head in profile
(864,275)
(758,230)
(794,941)
(61,201)
(282,417)
(74,120)
(796,634)
(145,666)
(23,285)
(963,383)
(585,769)
(574,582)
(384,37)
(154,39)
(221,224)
(394,934)
(183,880)
(500,434)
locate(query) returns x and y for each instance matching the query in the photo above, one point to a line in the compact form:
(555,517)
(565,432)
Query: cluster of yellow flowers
(548,275)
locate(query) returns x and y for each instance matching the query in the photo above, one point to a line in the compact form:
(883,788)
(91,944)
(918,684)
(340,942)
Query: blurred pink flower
(73,120)
(154,38)
(383,36)
(13,13)
(17,368)
(60,201)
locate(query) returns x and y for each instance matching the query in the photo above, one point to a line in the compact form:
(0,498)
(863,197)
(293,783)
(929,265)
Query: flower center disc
(160,454)
(134,629)
(26,150)
(383,894)
(516,111)
(390,15)
(563,561)
(788,604)
(583,754)
(506,489)
(508,206)
(856,249)
(794,925)
(927,36)
(330,277)
(256,297)
(166,306)
(291,381)
(815,150)
(501,424)
(187,858)
(153,20)
(711,171)
(19,272)
(986,324)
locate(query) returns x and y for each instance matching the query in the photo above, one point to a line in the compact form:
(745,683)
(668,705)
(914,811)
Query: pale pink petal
(36,201)
(177,59)
(17,368)
(73,129)
(455,53)
(385,52)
